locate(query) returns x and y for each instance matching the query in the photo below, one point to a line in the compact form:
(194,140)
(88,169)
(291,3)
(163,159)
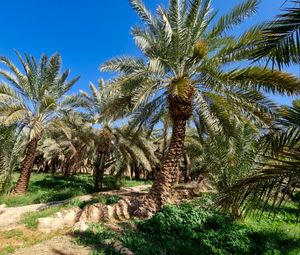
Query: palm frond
(234,17)
(280,39)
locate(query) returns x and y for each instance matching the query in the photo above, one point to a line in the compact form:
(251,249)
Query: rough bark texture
(103,150)
(100,172)
(187,165)
(26,167)
(159,194)
(180,110)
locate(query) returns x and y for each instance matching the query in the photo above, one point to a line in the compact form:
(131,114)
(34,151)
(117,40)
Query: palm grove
(194,105)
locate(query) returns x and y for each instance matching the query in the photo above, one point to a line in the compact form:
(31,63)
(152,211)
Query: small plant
(13,233)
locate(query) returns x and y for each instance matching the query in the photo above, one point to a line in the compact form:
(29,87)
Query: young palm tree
(185,67)
(277,171)
(32,99)
(11,144)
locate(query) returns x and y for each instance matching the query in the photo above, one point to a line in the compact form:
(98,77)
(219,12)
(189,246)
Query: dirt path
(10,216)
(15,235)
(59,245)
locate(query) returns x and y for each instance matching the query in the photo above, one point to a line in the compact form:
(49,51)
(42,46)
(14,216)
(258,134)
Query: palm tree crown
(34,97)
(186,55)
(186,69)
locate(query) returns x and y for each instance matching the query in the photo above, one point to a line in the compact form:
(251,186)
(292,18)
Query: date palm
(127,146)
(31,99)
(277,171)
(71,139)
(11,145)
(185,65)
(93,104)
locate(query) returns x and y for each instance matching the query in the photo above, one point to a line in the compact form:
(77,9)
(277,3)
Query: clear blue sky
(88,32)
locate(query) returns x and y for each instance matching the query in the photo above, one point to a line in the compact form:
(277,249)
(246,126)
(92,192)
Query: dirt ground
(17,239)
(59,245)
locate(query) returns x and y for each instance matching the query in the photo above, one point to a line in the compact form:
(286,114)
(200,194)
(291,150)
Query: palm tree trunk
(160,192)
(103,149)
(100,172)
(165,138)
(137,172)
(187,165)
(180,110)
(26,167)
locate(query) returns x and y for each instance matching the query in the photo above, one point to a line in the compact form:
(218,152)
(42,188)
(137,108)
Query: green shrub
(187,229)
(191,229)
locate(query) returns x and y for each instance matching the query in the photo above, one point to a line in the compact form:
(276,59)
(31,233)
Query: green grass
(277,232)
(111,182)
(99,237)
(13,233)
(103,199)
(30,219)
(132,183)
(8,250)
(45,188)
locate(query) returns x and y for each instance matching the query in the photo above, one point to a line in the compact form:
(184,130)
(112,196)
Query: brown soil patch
(59,245)
(21,236)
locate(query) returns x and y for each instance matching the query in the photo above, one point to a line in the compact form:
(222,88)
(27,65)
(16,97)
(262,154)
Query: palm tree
(32,99)
(71,141)
(93,105)
(185,67)
(11,145)
(133,148)
(233,157)
(127,146)
(277,171)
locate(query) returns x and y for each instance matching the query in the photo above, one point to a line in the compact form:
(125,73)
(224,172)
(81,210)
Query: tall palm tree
(32,98)
(185,65)
(128,146)
(93,104)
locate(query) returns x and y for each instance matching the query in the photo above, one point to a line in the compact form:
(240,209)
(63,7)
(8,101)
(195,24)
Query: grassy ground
(47,188)
(190,229)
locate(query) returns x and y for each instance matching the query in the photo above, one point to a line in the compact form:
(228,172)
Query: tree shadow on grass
(288,213)
(60,182)
(58,188)
(270,242)
(98,237)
